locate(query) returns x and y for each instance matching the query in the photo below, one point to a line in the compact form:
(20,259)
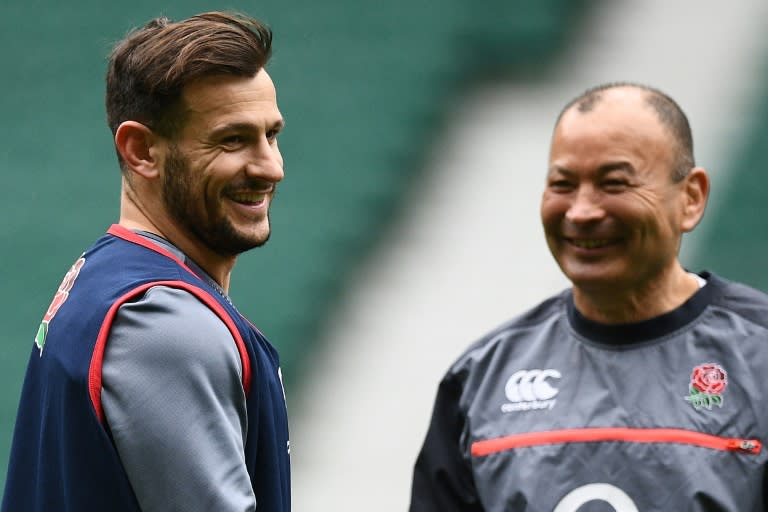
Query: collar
(646,330)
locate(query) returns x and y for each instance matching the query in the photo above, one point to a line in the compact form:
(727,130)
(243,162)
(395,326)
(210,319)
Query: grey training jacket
(554,413)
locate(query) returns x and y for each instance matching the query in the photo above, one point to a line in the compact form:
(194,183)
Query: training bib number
(611,495)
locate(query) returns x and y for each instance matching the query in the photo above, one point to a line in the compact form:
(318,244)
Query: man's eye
(614,184)
(272,135)
(561,185)
(233,139)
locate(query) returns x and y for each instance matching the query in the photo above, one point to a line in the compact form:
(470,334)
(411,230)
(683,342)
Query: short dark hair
(668,111)
(149,68)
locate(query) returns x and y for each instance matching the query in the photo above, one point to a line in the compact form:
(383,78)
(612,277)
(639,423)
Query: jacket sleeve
(175,405)
(442,477)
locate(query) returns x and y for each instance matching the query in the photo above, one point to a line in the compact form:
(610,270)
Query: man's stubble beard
(209,225)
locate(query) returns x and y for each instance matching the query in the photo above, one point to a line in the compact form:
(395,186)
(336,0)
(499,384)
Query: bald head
(667,111)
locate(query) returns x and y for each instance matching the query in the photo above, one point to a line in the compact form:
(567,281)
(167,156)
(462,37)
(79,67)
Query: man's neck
(134,216)
(611,306)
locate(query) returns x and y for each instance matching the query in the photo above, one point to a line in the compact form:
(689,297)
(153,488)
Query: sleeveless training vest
(62,457)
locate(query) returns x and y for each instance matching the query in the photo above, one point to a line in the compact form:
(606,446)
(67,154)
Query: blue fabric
(62,457)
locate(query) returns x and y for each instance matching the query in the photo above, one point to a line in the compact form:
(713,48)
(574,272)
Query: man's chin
(245,244)
(228,241)
(595,278)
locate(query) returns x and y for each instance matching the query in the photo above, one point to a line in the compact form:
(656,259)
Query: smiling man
(621,190)
(640,388)
(146,389)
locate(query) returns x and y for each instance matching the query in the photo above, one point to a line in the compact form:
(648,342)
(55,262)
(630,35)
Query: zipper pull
(745,445)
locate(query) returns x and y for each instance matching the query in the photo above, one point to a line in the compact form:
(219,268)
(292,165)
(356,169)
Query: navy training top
(62,456)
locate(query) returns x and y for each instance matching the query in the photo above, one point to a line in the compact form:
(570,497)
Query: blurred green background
(363,85)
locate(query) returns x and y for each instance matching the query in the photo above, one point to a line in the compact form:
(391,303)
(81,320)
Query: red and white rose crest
(708,383)
(58,300)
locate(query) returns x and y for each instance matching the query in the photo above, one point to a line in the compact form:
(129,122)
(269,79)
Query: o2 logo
(611,495)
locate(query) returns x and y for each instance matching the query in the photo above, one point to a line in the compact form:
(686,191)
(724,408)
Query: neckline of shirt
(646,330)
(154,237)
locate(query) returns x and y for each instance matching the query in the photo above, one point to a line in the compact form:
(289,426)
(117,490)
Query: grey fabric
(175,405)
(634,377)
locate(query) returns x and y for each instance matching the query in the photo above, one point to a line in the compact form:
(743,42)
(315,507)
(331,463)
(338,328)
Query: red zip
(622,434)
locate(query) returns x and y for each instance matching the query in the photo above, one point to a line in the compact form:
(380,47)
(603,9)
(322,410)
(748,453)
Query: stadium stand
(363,86)
(736,236)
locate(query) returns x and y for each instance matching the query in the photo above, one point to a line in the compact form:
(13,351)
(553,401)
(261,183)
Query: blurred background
(407,225)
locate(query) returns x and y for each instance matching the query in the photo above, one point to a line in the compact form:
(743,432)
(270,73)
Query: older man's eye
(561,185)
(615,185)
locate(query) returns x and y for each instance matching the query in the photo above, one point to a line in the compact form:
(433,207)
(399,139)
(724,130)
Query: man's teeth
(244,197)
(590,244)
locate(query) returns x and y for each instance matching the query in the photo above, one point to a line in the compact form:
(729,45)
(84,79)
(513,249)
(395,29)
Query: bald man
(639,388)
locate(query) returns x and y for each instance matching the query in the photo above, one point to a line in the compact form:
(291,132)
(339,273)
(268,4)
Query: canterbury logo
(530,389)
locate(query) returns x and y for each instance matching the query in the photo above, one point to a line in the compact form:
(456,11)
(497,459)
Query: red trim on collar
(129,236)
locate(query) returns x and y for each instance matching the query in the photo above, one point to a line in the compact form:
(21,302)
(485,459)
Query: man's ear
(137,145)
(696,193)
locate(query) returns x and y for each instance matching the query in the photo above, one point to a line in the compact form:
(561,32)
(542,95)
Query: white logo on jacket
(530,390)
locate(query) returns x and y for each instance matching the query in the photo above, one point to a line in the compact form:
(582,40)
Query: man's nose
(586,206)
(265,161)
